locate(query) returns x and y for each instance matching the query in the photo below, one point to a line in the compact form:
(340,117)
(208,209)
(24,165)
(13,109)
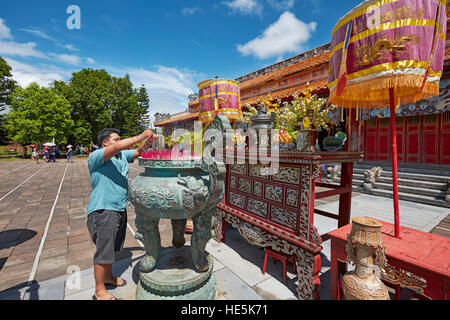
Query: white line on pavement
(38,255)
(134,235)
(21,183)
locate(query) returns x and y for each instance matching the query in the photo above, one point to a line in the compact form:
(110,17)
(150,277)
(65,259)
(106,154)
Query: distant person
(69,153)
(81,149)
(45,153)
(34,154)
(52,154)
(107,216)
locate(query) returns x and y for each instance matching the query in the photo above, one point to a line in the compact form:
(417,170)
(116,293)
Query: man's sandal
(94,297)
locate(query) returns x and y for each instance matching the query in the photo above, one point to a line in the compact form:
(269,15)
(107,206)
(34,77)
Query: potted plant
(302,116)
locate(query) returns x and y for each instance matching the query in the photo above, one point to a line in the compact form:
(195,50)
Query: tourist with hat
(34,153)
(69,153)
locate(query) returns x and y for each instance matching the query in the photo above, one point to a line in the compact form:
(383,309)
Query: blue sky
(168,45)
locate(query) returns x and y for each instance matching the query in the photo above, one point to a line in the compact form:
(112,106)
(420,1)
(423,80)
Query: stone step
(409,176)
(406,182)
(404,196)
(437,170)
(406,189)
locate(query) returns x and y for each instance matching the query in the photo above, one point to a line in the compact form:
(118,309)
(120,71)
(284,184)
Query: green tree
(37,115)
(90,95)
(132,117)
(144,106)
(122,90)
(7,85)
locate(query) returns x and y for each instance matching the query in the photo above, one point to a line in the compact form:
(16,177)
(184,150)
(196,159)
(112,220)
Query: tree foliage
(99,100)
(37,115)
(7,85)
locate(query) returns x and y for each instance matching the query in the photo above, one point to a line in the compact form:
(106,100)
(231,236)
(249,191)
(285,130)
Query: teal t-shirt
(109,180)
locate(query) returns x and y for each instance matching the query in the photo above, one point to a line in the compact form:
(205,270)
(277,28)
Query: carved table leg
(219,227)
(178,226)
(148,233)
(308,268)
(201,234)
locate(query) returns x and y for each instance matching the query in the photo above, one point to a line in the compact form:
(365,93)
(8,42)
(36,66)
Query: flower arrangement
(305,107)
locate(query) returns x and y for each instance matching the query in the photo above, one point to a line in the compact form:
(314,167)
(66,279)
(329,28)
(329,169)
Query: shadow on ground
(12,238)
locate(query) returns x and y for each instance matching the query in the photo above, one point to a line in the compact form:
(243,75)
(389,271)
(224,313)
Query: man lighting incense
(107,217)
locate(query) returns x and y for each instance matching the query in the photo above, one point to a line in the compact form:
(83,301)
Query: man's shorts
(107,229)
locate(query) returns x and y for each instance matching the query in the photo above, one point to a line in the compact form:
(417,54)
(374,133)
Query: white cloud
(90,61)
(281,5)
(67,58)
(168,88)
(71,47)
(43,35)
(245,6)
(5,32)
(24,73)
(190,11)
(286,35)
(38,33)
(12,48)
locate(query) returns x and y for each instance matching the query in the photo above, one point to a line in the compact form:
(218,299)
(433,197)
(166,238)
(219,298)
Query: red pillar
(394,163)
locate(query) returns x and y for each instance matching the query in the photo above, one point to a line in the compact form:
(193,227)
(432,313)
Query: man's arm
(126,143)
(141,148)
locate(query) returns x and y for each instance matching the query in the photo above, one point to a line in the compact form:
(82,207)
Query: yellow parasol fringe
(406,91)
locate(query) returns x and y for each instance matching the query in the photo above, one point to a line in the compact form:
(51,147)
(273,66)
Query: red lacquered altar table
(415,255)
(277,210)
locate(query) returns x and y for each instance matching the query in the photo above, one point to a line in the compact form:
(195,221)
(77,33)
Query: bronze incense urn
(178,189)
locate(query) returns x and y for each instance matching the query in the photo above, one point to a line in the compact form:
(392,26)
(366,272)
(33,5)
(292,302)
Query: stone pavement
(39,208)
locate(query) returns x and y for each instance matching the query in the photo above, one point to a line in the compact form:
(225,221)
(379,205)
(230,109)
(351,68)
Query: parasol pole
(394,162)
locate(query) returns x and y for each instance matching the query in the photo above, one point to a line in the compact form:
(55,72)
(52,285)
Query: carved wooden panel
(238,168)
(284,217)
(236,200)
(233,182)
(254,170)
(257,188)
(288,175)
(274,193)
(245,185)
(292,197)
(257,207)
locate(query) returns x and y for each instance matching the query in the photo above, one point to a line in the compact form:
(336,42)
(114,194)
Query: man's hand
(149,134)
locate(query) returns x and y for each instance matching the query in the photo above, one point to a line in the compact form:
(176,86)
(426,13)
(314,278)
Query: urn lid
(367,222)
(262,120)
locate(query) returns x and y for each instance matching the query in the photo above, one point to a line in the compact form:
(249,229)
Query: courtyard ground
(43,236)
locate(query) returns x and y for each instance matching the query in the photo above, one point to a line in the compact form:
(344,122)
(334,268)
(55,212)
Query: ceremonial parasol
(49,144)
(388,53)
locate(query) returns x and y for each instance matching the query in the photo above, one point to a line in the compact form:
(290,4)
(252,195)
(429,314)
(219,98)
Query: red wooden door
(413,139)
(445,138)
(370,141)
(383,139)
(430,139)
(400,128)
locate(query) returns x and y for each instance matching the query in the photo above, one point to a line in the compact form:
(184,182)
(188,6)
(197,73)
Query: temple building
(422,128)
